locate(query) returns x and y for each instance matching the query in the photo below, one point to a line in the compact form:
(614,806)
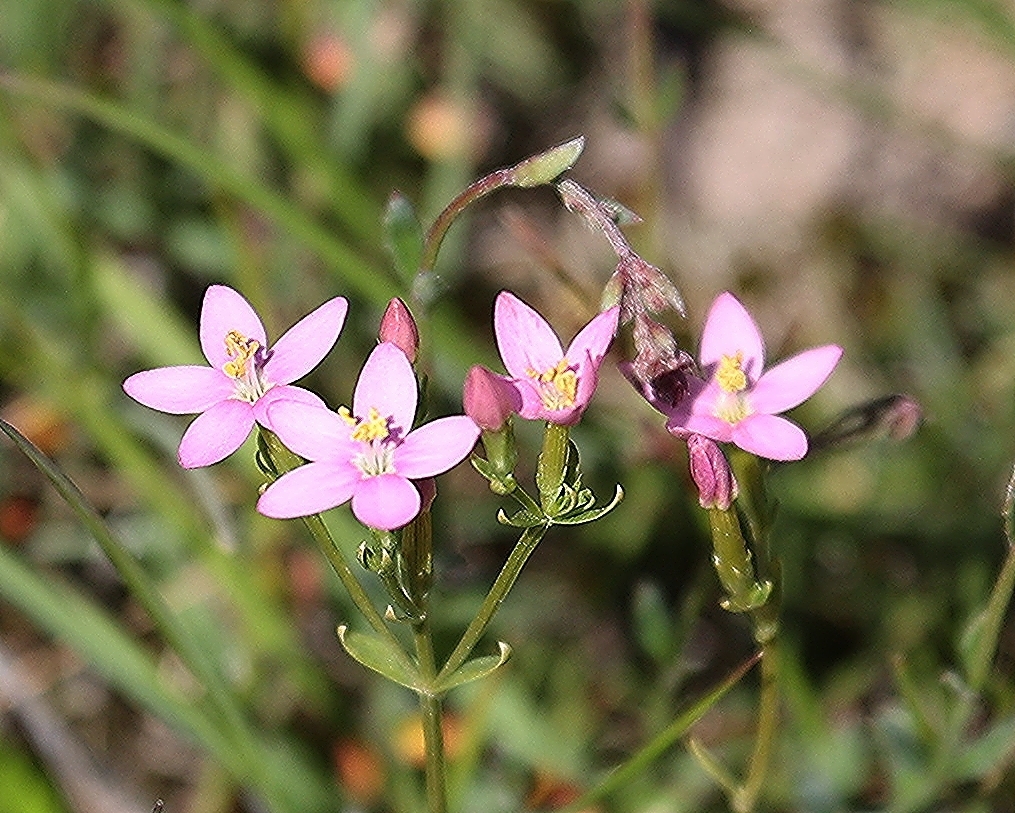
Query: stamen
(558,385)
(241,350)
(373,428)
(730,374)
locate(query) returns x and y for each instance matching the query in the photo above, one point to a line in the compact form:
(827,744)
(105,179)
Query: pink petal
(387,384)
(592,342)
(729,329)
(224,310)
(306,343)
(310,489)
(216,434)
(524,338)
(795,380)
(312,432)
(180,390)
(770,436)
(387,501)
(436,447)
(701,424)
(532,408)
(284,392)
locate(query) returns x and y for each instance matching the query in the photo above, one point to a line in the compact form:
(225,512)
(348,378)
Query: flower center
(731,405)
(246,358)
(378,439)
(558,386)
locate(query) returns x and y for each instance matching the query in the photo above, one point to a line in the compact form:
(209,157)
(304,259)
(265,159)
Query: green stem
(476,190)
(433,734)
(768,721)
(505,581)
(660,743)
(284,460)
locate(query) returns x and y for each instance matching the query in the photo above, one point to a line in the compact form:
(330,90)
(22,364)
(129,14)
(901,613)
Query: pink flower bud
(489,399)
(399,328)
(717,487)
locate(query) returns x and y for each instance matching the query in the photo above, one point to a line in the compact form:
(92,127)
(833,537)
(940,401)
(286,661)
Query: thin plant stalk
(498,591)
(746,797)
(432,716)
(284,460)
(660,743)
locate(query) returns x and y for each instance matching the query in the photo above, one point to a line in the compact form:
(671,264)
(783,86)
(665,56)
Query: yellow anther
(373,428)
(240,349)
(560,385)
(346,415)
(730,374)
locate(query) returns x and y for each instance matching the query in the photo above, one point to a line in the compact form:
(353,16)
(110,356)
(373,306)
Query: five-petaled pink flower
(367,455)
(245,375)
(737,402)
(554,385)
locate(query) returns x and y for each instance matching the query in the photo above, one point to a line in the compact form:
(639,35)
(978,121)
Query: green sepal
(382,656)
(592,514)
(415,559)
(521,519)
(474,670)
(502,484)
(403,236)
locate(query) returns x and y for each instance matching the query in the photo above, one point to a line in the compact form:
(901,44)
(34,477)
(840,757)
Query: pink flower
(737,402)
(555,386)
(367,455)
(244,378)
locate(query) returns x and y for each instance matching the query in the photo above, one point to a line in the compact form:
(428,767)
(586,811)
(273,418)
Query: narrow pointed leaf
(381,656)
(403,236)
(475,669)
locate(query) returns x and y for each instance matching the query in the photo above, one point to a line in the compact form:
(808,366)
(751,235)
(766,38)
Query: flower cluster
(370,454)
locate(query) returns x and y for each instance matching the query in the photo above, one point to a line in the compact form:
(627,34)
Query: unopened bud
(547,166)
(717,487)
(489,399)
(399,328)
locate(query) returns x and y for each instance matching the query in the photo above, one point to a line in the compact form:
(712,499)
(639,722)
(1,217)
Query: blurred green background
(844,167)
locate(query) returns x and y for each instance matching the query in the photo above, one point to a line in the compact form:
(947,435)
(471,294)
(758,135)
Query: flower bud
(399,328)
(548,166)
(717,487)
(489,399)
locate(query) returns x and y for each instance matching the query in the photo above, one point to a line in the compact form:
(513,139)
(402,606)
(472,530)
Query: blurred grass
(150,147)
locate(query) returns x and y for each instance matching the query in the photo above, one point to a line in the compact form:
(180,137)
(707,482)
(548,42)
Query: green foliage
(150,147)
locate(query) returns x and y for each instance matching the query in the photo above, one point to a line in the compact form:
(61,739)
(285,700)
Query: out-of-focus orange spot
(438,128)
(328,62)
(305,578)
(359,770)
(552,793)
(410,747)
(39,422)
(18,517)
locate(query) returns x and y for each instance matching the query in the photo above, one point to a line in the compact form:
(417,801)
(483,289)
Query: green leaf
(91,632)
(521,519)
(382,656)
(988,753)
(474,670)
(403,236)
